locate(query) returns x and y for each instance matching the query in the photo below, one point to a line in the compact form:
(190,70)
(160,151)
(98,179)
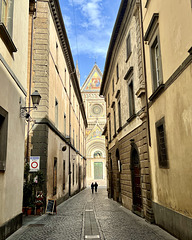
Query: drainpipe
(69,135)
(70,131)
(145,75)
(32,11)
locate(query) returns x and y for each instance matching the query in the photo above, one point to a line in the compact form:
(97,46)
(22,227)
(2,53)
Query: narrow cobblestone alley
(90,216)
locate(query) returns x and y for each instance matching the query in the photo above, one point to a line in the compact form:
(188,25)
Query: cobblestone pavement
(109,220)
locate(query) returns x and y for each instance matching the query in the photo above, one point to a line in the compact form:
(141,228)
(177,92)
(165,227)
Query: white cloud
(79,2)
(91,10)
(90,45)
(88,26)
(68,23)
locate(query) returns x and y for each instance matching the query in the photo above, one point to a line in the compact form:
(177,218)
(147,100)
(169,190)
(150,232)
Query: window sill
(5,36)
(157,92)
(131,118)
(166,166)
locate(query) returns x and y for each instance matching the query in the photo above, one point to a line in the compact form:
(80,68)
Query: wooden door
(136,183)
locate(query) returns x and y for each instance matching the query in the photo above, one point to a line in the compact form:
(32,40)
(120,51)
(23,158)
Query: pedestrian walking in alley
(96,186)
(92,187)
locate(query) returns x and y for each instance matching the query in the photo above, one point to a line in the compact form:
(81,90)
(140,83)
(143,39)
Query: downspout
(145,76)
(32,10)
(70,135)
(70,131)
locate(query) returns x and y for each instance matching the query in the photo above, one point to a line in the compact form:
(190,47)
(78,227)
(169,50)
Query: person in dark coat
(96,185)
(92,187)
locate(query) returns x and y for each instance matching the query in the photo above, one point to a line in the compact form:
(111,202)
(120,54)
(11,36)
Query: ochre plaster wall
(11,181)
(171,187)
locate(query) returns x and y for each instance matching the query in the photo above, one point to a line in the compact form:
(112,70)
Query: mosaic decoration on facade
(97,154)
(96,133)
(94,83)
(88,132)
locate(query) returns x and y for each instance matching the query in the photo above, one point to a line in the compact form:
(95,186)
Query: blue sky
(89,25)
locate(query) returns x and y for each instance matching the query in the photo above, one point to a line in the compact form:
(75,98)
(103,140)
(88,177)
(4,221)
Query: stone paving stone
(110,219)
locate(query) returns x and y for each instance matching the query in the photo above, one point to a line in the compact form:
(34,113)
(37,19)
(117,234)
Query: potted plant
(32,182)
(27,190)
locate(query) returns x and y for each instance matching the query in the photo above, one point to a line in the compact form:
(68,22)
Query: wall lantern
(25,111)
(36,97)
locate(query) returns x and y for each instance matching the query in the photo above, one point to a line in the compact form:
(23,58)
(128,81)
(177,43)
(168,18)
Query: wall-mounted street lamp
(25,111)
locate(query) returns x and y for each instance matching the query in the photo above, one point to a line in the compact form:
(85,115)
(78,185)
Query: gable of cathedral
(95,133)
(93,81)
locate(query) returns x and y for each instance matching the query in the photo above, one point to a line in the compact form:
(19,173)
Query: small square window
(114,119)
(128,45)
(161,143)
(113,85)
(3,138)
(119,112)
(131,99)
(109,129)
(117,72)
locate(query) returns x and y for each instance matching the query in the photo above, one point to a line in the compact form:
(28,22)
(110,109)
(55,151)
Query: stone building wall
(132,135)
(40,76)
(58,118)
(124,145)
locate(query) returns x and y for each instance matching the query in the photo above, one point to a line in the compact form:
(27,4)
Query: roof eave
(114,35)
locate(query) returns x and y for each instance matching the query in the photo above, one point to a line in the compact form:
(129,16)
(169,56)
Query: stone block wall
(124,146)
(40,82)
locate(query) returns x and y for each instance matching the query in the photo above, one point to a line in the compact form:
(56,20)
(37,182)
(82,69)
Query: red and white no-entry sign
(34,163)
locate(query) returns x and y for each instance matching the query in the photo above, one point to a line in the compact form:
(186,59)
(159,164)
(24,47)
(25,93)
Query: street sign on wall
(34,163)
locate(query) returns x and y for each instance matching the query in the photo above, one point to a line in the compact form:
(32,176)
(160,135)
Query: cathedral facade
(96,118)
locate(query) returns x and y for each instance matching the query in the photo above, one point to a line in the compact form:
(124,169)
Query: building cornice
(116,30)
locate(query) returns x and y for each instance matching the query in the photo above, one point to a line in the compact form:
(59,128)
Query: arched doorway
(136,181)
(119,199)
